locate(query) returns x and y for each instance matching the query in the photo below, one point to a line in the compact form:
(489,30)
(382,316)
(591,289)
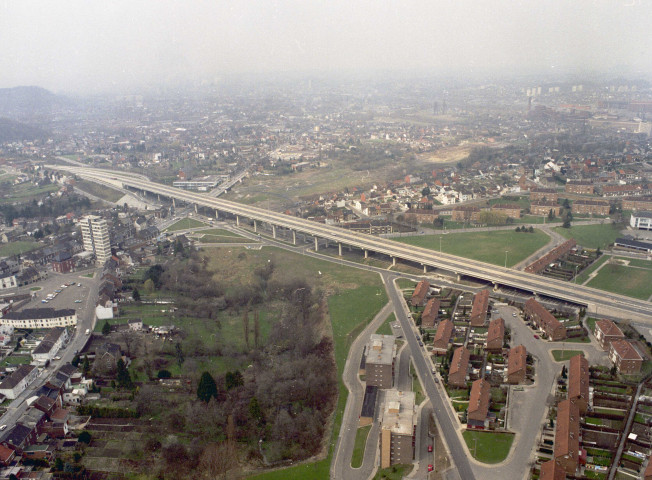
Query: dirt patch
(446,155)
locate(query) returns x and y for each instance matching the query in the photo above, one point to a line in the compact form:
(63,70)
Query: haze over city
(78,47)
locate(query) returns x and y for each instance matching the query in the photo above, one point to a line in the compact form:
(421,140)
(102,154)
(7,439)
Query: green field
(636,262)
(220,232)
(185,224)
(21,246)
(487,247)
(564,355)
(395,472)
(584,276)
(358,449)
(630,281)
(27,191)
(416,387)
(224,239)
(102,191)
(488,447)
(385,328)
(592,236)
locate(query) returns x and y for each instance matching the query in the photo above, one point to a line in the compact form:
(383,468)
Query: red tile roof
(567,433)
(479,309)
(517,359)
(609,328)
(578,378)
(625,350)
(479,400)
(551,470)
(496,330)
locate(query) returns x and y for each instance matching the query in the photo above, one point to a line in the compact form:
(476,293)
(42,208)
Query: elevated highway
(596,301)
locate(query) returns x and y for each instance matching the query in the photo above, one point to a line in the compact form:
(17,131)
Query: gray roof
(39,313)
(14,379)
(642,214)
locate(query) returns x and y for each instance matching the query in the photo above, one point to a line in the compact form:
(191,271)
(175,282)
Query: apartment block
(95,234)
(379,360)
(582,187)
(606,332)
(590,207)
(549,194)
(625,357)
(397,428)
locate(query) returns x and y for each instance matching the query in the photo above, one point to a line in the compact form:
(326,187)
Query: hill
(28,102)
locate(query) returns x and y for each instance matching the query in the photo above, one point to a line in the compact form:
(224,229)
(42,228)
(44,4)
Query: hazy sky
(91,45)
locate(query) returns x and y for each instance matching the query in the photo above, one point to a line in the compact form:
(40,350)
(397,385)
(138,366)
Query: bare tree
(245,324)
(256,330)
(218,459)
(129,340)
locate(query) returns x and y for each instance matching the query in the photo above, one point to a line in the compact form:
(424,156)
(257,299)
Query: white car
(2,427)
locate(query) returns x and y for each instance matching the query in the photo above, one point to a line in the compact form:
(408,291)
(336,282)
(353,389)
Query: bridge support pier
(273,231)
(196,209)
(255,226)
(237,220)
(217,215)
(158,197)
(425,269)
(459,277)
(495,286)
(316,244)
(339,247)
(366,254)
(294,237)
(174,202)
(326,241)
(393,261)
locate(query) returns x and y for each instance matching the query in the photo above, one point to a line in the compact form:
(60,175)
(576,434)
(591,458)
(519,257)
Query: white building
(40,318)
(95,233)
(641,220)
(50,345)
(8,281)
(17,382)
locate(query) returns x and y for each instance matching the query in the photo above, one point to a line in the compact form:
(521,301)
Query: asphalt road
(85,318)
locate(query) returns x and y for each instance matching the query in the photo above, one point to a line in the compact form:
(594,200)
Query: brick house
(63,263)
(567,436)
(592,207)
(543,207)
(549,194)
(552,470)
(581,187)
(606,332)
(625,357)
(459,366)
(465,214)
(578,382)
(511,210)
(443,337)
(478,404)
(495,335)
(517,365)
(544,320)
(479,308)
(430,313)
(420,292)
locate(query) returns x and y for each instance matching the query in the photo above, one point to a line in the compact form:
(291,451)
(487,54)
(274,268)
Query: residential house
(549,194)
(544,320)
(517,365)
(543,207)
(63,262)
(552,470)
(18,438)
(50,345)
(430,313)
(420,292)
(479,308)
(582,187)
(567,436)
(6,455)
(106,359)
(40,318)
(135,324)
(623,355)
(590,207)
(478,408)
(495,335)
(458,367)
(14,384)
(443,337)
(465,214)
(578,382)
(397,429)
(606,332)
(511,210)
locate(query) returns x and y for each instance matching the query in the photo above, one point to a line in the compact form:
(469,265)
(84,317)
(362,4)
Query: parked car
(430,468)
(536,336)
(429,448)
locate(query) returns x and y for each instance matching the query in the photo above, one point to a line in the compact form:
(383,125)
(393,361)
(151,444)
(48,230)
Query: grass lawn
(592,236)
(564,355)
(416,387)
(385,328)
(16,360)
(89,275)
(584,276)
(636,262)
(405,283)
(395,472)
(484,246)
(488,447)
(185,224)
(630,281)
(21,246)
(590,324)
(358,449)
(102,191)
(27,191)
(220,232)
(224,239)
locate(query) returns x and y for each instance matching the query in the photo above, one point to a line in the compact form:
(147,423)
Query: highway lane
(554,288)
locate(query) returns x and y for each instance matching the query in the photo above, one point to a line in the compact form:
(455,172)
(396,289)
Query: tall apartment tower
(95,233)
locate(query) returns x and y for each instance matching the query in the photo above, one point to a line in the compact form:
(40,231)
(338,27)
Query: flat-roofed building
(379,361)
(641,220)
(459,367)
(606,332)
(420,293)
(95,233)
(430,313)
(567,436)
(478,404)
(578,382)
(442,338)
(544,320)
(625,357)
(495,335)
(397,428)
(517,365)
(479,308)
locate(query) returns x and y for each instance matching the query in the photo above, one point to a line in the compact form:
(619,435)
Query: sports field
(592,236)
(632,281)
